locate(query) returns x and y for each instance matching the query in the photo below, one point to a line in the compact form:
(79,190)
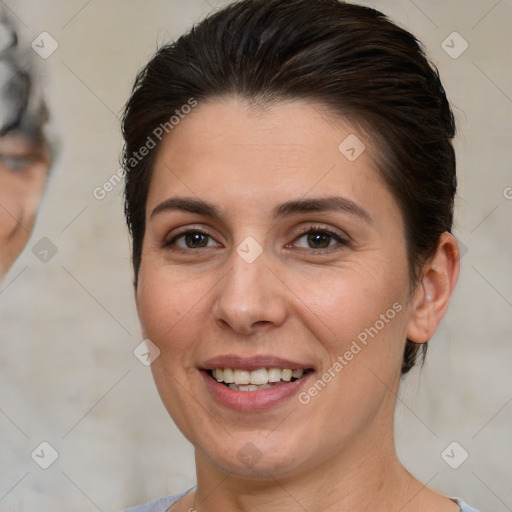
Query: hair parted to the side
(350,58)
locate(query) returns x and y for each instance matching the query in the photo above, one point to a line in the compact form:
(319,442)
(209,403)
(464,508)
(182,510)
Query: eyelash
(306,231)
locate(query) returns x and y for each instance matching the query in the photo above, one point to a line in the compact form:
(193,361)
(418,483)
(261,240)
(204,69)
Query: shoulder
(159,505)
(464,507)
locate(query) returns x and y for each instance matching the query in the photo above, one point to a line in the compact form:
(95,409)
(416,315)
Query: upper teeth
(260,376)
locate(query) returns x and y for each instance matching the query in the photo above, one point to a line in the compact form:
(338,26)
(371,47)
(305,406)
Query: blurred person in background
(25,154)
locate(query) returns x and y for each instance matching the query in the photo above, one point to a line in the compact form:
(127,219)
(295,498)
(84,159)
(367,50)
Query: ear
(433,293)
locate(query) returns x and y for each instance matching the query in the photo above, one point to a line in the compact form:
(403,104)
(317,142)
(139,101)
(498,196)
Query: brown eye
(195,240)
(192,240)
(319,239)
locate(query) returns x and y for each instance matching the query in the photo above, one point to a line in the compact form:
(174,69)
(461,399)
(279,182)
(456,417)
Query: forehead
(290,148)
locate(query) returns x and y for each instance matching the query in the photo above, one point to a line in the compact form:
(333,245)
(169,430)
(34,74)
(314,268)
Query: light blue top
(162,504)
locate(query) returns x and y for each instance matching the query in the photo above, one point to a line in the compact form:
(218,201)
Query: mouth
(254,383)
(239,379)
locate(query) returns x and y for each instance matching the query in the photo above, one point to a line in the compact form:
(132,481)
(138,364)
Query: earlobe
(433,293)
(422,324)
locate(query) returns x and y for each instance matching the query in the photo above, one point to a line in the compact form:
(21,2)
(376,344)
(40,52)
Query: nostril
(222,323)
(262,322)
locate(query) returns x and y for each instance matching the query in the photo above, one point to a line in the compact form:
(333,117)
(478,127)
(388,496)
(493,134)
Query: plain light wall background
(68,327)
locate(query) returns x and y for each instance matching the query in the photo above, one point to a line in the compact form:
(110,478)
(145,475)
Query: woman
(25,152)
(290,181)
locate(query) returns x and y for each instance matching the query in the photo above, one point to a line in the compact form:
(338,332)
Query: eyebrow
(323,204)
(187,204)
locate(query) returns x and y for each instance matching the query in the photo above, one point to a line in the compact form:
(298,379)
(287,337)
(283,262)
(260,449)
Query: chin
(257,455)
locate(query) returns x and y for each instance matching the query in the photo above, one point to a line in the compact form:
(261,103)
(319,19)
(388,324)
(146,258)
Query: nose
(250,297)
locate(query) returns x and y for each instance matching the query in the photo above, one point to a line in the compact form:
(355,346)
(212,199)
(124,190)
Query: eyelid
(323,228)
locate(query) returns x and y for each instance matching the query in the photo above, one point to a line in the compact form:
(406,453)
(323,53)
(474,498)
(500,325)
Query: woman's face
(23,172)
(269,245)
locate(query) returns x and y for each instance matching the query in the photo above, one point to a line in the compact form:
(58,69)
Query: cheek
(16,220)
(169,309)
(346,300)
(8,223)
(358,313)
(359,317)
(12,207)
